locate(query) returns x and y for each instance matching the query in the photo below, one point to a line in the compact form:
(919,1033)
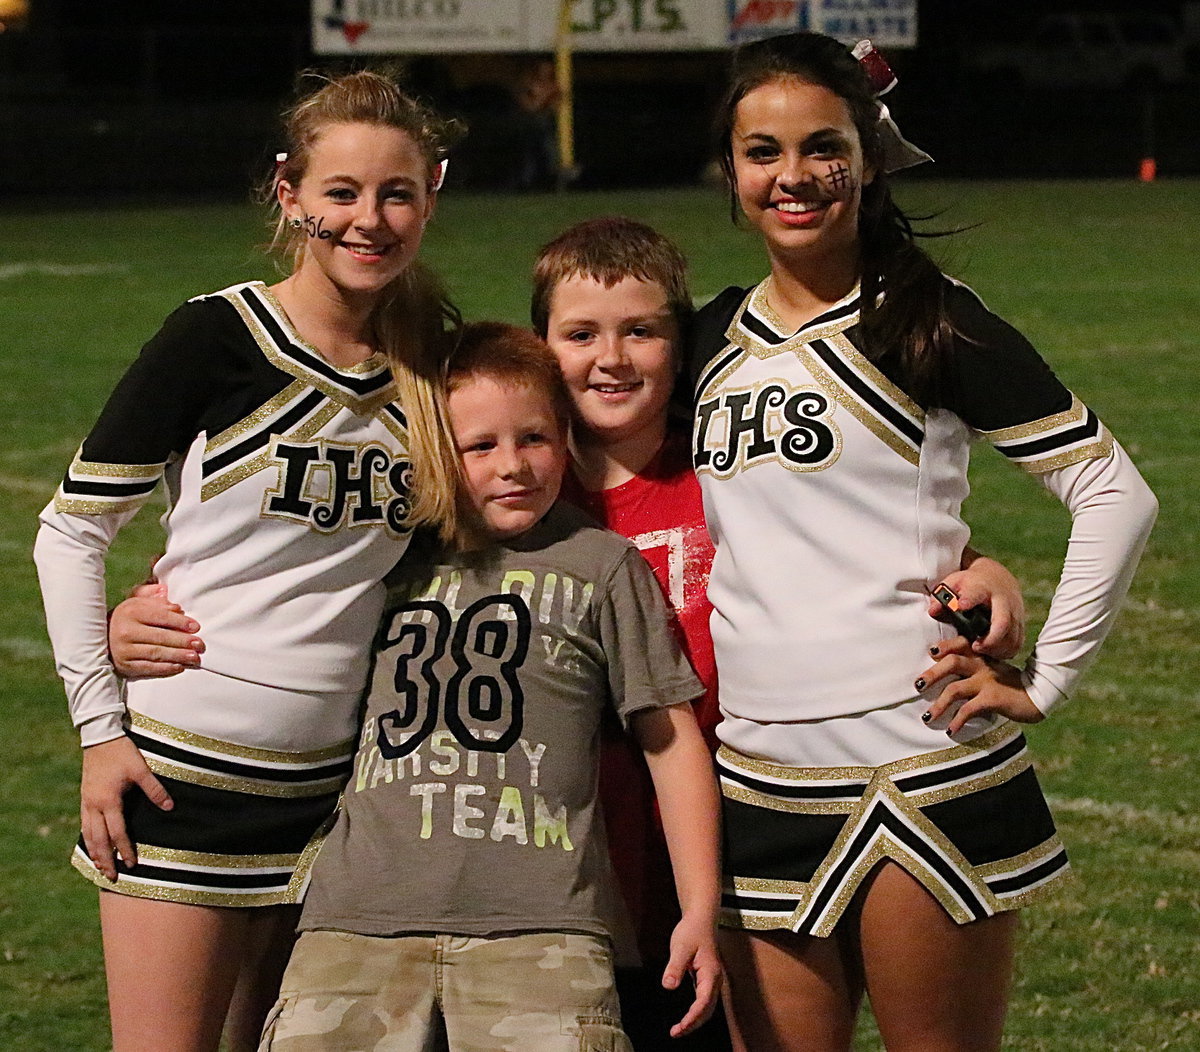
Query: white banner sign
(381,27)
(640,25)
(886,23)
(373,27)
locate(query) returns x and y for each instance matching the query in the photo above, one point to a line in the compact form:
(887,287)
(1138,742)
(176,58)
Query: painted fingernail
(920,684)
(926,717)
(934,651)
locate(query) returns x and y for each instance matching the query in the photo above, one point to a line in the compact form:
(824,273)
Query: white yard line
(65,448)
(57,270)
(17,484)
(1127,814)
(23,649)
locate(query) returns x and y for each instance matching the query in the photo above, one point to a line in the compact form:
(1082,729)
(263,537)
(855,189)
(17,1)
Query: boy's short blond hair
(610,249)
(510,355)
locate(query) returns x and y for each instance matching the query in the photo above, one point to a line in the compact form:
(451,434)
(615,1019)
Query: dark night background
(135,98)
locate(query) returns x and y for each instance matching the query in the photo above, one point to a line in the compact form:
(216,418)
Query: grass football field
(1101,276)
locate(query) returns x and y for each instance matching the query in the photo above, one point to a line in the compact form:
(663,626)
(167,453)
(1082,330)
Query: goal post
(565,74)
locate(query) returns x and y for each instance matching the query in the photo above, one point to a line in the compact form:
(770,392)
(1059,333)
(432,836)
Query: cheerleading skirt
(247,821)
(966,819)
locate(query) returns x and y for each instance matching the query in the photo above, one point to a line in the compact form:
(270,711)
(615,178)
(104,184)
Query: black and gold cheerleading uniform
(834,499)
(287,488)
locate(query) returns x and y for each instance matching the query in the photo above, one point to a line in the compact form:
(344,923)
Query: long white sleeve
(1112,511)
(69,553)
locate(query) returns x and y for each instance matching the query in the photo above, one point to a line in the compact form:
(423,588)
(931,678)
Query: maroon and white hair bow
(898,152)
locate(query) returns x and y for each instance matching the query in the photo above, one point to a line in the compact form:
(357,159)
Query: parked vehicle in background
(1088,49)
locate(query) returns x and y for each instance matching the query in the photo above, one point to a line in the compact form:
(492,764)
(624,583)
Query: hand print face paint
(798,166)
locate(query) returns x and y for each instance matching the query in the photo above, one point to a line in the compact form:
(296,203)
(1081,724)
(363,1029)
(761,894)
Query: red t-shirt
(660,510)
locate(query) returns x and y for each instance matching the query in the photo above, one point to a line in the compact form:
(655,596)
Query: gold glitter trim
(731,918)
(1007,867)
(831,385)
(727,370)
(190,896)
(733,332)
(753,765)
(128,472)
(241,784)
(1074,415)
(884,847)
(1052,886)
(775,803)
(805,334)
(279,357)
(82,470)
(869,371)
(294,391)
(397,429)
(1100,447)
(849,399)
(882,850)
(865,776)
(1094,451)
(246,752)
(376,363)
(985,743)
(988,780)
(302,433)
(308,856)
(781,887)
(758,299)
(150,853)
(69,506)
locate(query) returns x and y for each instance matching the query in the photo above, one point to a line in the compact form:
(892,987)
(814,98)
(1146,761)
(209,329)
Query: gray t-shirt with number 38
(472,805)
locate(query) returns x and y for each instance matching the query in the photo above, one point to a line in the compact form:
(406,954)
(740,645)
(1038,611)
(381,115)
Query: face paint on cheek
(314,227)
(838,181)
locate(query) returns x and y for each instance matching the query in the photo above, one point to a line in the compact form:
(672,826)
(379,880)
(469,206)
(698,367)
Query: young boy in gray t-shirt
(464,894)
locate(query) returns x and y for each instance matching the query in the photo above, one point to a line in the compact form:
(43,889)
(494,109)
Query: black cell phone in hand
(972,624)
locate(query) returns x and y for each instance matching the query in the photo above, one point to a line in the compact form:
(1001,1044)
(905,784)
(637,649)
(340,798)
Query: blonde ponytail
(417,328)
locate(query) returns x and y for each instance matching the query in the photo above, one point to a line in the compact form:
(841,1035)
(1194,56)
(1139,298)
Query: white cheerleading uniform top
(834,499)
(287,487)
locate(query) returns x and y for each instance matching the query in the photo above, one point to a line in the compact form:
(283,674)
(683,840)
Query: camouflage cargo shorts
(541,992)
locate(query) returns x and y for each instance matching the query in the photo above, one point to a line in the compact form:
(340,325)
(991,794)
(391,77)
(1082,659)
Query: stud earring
(295,224)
